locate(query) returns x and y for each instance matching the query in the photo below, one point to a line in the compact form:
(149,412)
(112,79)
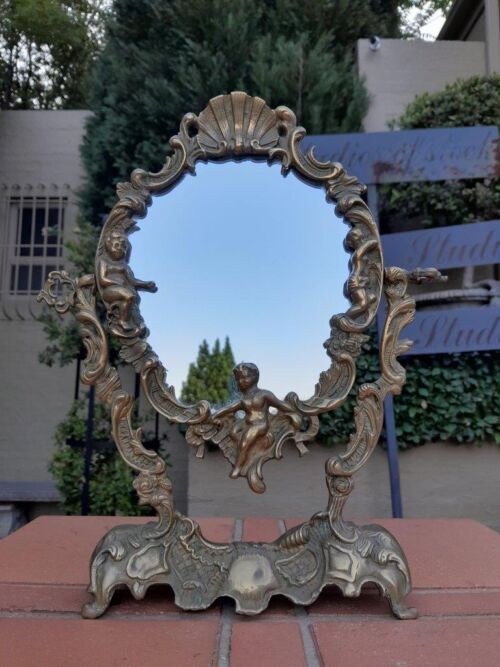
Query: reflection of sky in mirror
(241,251)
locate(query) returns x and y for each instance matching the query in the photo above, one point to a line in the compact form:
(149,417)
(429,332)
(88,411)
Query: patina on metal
(172,550)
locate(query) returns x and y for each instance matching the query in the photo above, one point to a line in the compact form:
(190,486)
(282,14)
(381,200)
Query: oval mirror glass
(239,251)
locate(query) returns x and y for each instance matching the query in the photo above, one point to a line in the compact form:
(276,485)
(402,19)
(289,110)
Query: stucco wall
(478,32)
(41,146)
(36,147)
(402,69)
(437,480)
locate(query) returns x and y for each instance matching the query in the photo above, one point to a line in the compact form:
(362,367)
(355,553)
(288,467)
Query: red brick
(448,553)
(460,602)
(54,549)
(68,643)
(455,603)
(257,529)
(42,597)
(444,553)
(279,605)
(217,529)
(332,602)
(266,644)
(291,523)
(421,643)
(57,549)
(159,601)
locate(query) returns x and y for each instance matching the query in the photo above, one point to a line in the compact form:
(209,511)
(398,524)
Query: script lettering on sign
(412,155)
(474,244)
(455,330)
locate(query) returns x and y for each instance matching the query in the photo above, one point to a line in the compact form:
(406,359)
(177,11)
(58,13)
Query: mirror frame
(321,551)
(240,126)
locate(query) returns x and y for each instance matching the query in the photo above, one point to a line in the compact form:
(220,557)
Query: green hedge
(110,487)
(446,397)
(474,101)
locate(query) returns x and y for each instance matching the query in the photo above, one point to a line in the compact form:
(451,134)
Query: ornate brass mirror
(254,427)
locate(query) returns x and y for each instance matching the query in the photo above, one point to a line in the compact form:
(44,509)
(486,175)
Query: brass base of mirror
(298,565)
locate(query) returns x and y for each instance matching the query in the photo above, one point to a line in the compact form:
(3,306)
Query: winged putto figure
(248,431)
(119,286)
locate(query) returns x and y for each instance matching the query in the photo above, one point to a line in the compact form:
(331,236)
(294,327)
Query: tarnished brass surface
(325,549)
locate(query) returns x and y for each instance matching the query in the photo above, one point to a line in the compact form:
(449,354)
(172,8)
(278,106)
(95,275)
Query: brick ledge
(456,575)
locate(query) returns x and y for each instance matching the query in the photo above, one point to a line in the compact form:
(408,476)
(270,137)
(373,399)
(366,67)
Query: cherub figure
(356,283)
(118,283)
(255,403)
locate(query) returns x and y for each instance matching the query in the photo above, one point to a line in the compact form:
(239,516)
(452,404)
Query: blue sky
(239,250)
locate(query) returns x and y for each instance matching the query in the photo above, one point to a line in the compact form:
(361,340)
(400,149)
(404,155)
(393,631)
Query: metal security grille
(32,238)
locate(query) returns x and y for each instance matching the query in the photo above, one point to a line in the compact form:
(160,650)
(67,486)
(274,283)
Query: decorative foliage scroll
(321,551)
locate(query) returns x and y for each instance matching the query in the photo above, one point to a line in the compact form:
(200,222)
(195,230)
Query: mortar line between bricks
(52,584)
(311,649)
(225,633)
(226,622)
(454,591)
(238,530)
(361,618)
(315,643)
(200,617)
(40,614)
(168,616)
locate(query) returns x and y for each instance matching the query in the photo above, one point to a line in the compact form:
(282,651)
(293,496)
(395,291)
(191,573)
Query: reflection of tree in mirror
(210,378)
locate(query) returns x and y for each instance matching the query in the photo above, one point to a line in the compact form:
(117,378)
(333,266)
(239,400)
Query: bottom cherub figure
(255,403)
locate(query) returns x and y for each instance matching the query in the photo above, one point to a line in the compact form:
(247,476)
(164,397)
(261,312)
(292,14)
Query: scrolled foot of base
(128,556)
(403,612)
(359,555)
(93,609)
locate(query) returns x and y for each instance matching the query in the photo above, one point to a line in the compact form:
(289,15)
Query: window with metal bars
(34,243)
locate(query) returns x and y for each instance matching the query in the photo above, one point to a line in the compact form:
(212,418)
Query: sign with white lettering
(474,244)
(455,330)
(413,155)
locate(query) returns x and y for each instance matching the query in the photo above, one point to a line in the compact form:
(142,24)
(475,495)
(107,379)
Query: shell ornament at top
(254,427)
(237,123)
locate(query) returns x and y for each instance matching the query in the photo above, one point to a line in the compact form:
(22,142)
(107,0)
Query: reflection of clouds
(243,252)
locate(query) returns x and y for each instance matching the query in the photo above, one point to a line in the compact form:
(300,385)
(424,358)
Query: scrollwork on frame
(239,125)
(256,425)
(369,411)
(80,300)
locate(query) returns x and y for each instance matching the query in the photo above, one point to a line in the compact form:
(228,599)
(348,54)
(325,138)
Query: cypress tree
(210,377)
(228,356)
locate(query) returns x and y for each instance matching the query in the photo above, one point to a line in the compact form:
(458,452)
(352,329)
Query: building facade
(40,173)
(395,71)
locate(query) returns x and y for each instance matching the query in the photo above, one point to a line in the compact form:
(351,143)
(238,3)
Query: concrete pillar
(11,518)
(492,30)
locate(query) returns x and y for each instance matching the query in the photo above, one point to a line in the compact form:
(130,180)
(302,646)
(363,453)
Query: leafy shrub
(450,397)
(465,103)
(447,397)
(110,487)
